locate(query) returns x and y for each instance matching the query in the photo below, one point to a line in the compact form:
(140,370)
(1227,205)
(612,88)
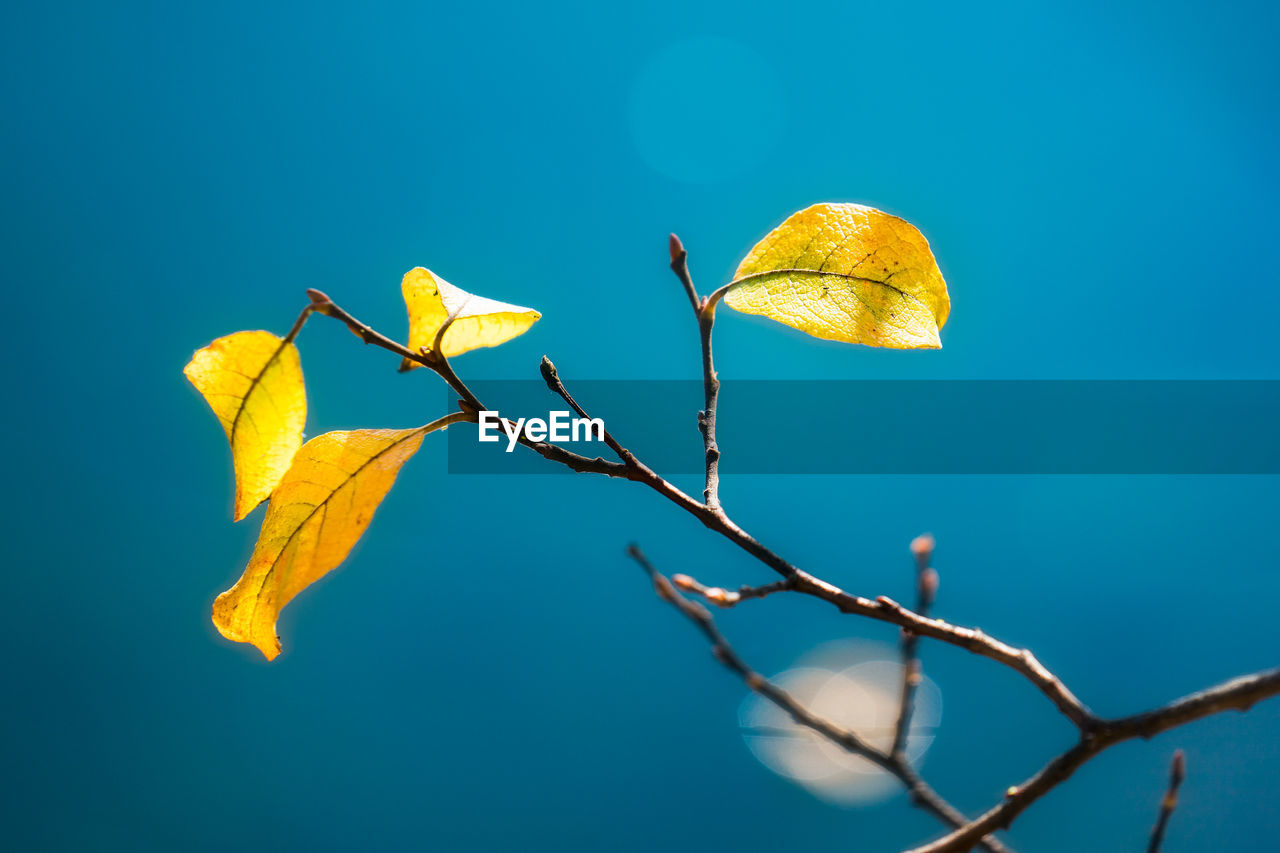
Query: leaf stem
(299,323)
(709,306)
(449,420)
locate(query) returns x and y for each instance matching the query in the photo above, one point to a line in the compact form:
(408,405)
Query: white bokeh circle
(856,687)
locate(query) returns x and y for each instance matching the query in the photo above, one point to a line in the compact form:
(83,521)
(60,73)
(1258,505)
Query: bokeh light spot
(857,687)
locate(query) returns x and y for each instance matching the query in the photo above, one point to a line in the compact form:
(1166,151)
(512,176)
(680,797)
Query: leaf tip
(244,504)
(223,616)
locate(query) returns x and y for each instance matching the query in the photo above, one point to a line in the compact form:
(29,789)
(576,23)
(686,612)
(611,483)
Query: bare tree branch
(1177,772)
(881,609)
(1096,734)
(973,639)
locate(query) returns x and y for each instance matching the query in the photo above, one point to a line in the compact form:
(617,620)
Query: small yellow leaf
(317,514)
(253,383)
(844,272)
(480,322)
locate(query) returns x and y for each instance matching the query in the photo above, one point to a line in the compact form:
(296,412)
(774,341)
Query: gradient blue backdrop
(488,672)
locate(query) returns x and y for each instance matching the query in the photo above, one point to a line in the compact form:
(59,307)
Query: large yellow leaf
(845,272)
(480,322)
(253,383)
(317,514)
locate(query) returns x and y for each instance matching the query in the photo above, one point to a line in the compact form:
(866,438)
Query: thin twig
(973,639)
(322,304)
(721,597)
(921,794)
(924,797)
(707,417)
(926,589)
(1177,772)
(680,266)
(705,312)
(552,377)
(701,617)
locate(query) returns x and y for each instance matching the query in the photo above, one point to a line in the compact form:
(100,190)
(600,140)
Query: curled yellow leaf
(480,322)
(844,272)
(253,383)
(317,514)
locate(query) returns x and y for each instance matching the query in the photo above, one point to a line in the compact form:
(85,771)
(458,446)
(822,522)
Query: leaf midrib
(257,601)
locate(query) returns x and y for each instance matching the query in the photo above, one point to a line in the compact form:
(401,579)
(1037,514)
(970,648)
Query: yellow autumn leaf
(844,272)
(480,322)
(253,383)
(317,514)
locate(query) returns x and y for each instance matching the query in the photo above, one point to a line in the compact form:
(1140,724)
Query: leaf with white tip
(478,322)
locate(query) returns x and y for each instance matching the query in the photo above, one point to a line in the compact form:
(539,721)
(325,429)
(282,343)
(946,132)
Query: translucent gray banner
(904,427)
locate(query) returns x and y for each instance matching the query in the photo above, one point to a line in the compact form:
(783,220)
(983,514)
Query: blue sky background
(488,672)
